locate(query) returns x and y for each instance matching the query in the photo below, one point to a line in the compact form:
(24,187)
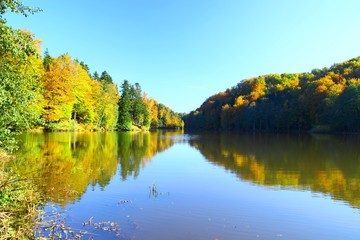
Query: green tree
(19,81)
(108,106)
(124,119)
(105,77)
(346,113)
(140,114)
(96,76)
(84,66)
(47,60)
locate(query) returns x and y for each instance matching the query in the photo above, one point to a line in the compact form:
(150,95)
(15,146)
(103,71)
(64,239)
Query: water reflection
(64,164)
(325,164)
(136,150)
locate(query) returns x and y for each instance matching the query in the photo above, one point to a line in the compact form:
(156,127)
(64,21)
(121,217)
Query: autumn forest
(323,100)
(61,94)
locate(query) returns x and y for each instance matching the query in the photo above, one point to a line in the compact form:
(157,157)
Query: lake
(172,185)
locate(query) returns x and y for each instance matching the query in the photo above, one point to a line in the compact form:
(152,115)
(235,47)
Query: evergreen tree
(47,60)
(96,76)
(85,67)
(139,110)
(105,77)
(124,120)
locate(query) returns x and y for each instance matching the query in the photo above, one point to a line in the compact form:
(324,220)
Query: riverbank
(19,201)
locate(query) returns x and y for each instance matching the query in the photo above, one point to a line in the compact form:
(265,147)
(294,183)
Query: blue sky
(183,51)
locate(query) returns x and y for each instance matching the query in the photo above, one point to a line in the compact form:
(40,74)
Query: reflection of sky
(199,200)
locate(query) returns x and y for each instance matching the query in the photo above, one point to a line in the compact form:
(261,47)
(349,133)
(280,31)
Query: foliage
(161,116)
(137,109)
(106,78)
(124,120)
(323,100)
(20,86)
(108,106)
(133,112)
(72,95)
(139,112)
(16,6)
(59,92)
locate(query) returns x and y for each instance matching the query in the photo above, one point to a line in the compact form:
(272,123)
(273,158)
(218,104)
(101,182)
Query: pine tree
(124,120)
(105,77)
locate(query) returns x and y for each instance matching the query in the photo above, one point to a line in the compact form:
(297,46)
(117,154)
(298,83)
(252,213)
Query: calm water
(170,185)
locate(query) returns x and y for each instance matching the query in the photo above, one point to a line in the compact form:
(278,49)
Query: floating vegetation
(107,226)
(54,226)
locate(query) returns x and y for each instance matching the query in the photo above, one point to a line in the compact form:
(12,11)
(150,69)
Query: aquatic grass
(19,203)
(153,192)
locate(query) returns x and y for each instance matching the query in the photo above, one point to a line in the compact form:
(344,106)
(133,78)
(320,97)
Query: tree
(70,93)
(96,76)
(58,93)
(152,107)
(346,112)
(47,60)
(124,120)
(105,77)
(108,106)
(84,66)
(139,110)
(20,74)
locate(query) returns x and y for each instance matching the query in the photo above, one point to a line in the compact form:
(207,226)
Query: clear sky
(183,51)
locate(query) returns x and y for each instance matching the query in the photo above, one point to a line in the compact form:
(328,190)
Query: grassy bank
(19,203)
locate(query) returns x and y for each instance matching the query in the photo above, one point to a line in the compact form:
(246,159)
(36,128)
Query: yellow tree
(107,108)
(70,93)
(58,95)
(152,106)
(83,88)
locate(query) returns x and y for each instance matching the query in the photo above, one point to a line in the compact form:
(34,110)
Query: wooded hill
(323,100)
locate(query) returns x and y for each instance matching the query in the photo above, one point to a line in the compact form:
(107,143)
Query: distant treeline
(60,93)
(324,100)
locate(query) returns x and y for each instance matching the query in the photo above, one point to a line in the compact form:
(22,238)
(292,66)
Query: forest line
(323,100)
(60,94)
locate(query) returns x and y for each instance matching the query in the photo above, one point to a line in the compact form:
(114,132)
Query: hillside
(323,100)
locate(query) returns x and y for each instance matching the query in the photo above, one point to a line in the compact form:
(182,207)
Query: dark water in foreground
(170,185)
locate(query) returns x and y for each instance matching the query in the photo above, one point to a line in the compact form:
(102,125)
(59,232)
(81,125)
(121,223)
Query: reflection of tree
(64,164)
(324,164)
(137,149)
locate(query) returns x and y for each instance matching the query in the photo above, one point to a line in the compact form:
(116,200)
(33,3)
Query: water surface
(170,185)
